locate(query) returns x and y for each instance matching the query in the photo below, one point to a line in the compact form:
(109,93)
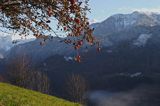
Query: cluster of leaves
(35,17)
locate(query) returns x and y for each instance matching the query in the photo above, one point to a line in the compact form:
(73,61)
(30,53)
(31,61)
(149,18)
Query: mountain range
(121,27)
(137,28)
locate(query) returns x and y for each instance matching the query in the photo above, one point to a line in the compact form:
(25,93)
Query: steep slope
(15,96)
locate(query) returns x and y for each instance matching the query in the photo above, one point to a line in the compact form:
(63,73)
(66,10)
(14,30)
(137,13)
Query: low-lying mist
(140,96)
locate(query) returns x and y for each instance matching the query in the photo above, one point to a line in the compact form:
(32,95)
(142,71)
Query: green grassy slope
(14,96)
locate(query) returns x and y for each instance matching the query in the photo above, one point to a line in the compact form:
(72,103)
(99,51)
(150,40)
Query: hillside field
(15,96)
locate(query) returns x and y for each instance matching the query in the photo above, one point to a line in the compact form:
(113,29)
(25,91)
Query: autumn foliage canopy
(36,17)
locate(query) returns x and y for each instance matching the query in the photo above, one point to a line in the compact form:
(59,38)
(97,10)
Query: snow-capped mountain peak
(120,22)
(137,26)
(134,19)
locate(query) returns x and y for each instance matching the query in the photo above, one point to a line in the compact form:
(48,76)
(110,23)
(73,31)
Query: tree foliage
(37,16)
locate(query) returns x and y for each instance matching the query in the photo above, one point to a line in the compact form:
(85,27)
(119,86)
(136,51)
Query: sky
(101,9)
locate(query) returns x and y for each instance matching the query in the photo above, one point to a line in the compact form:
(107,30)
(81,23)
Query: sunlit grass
(14,96)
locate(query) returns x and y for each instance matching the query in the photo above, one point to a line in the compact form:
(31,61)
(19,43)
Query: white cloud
(128,9)
(93,21)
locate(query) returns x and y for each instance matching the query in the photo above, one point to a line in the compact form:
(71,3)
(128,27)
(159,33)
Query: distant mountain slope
(123,27)
(37,52)
(113,69)
(137,28)
(14,96)
(120,22)
(5,45)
